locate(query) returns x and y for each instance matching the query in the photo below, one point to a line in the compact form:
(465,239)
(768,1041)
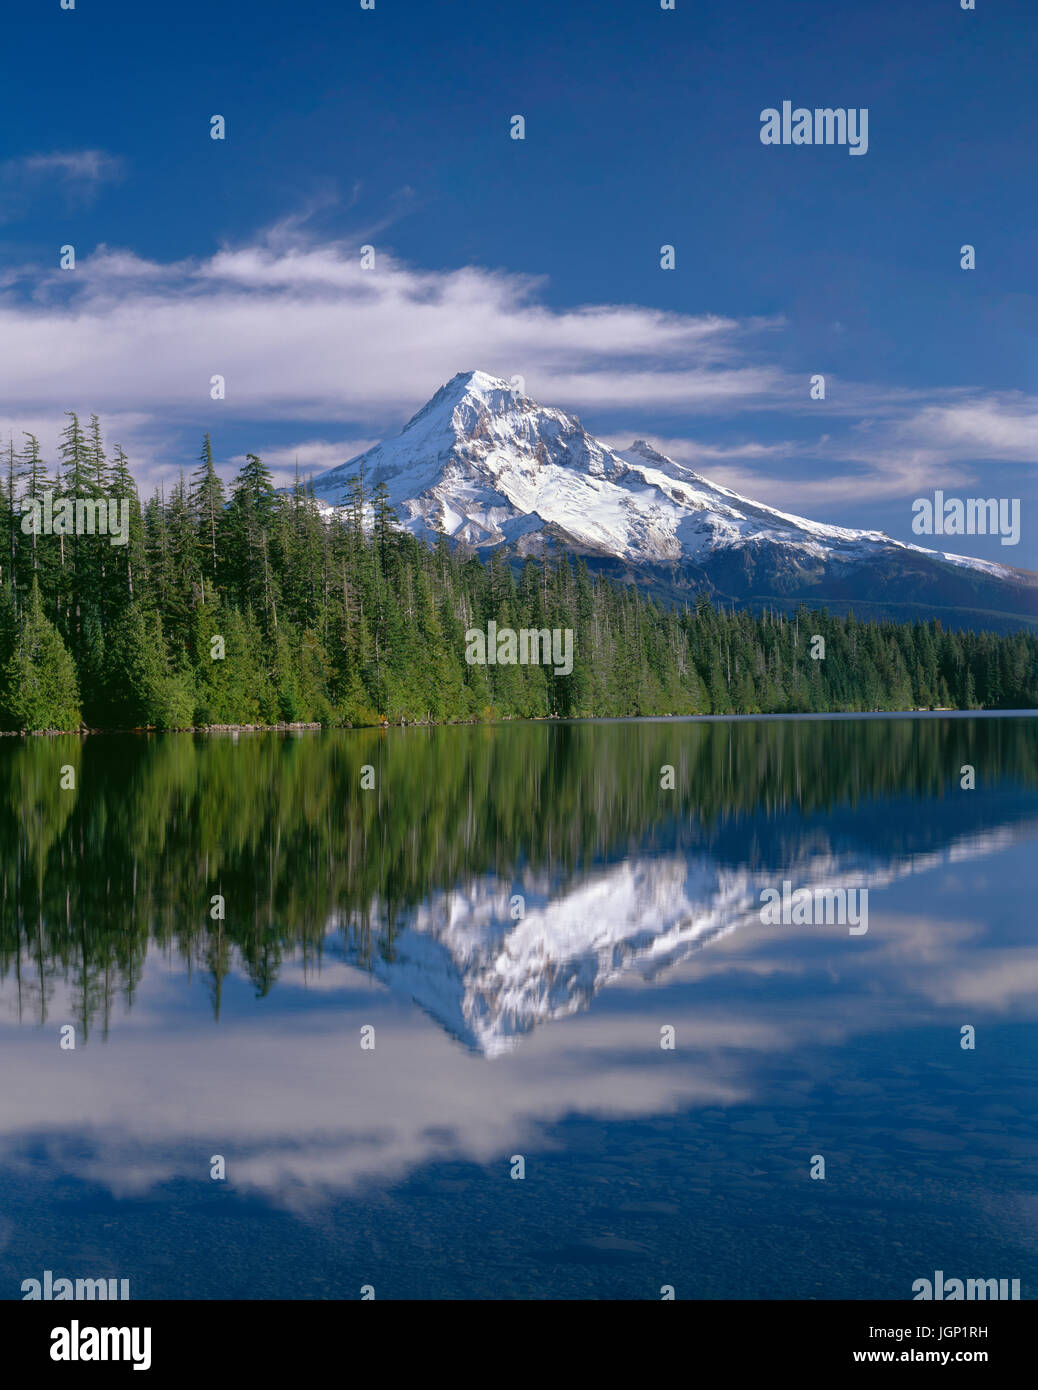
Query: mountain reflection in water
(535,1031)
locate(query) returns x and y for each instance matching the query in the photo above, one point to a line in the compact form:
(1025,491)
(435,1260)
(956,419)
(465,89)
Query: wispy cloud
(1002,426)
(76,166)
(902,454)
(76,174)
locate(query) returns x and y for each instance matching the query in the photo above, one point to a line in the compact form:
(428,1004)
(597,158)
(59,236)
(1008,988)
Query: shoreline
(280,728)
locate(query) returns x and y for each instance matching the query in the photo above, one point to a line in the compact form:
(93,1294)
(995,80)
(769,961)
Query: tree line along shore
(245,607)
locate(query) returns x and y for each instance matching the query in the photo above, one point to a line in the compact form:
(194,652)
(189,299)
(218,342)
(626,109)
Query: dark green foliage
(256,609)
(38,686)
(145,688)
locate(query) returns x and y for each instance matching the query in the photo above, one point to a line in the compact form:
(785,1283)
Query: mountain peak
(478,381)
(643,449)
(476,390)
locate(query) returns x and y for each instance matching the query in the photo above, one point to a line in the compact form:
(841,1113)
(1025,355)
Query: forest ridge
(250,607)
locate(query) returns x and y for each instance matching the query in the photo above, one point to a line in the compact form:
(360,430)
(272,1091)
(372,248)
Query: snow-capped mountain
(488,466)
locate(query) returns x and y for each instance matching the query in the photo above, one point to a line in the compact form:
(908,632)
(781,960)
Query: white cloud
(304,333)
(1003,427)
(304,337)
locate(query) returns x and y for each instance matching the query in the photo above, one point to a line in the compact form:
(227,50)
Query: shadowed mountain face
(494,470)
(497,878)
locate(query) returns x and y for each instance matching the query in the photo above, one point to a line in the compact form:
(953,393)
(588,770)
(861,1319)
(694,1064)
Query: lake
(496,1011)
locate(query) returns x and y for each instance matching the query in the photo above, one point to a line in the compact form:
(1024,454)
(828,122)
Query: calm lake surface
(519,913)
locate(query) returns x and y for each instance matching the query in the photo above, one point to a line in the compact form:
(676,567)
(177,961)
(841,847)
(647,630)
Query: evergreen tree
(145,688)
(207,504)
(40,688)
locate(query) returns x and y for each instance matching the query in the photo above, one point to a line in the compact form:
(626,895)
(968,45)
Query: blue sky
(539,257)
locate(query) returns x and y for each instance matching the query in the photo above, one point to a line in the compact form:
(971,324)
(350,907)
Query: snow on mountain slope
(489,466)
